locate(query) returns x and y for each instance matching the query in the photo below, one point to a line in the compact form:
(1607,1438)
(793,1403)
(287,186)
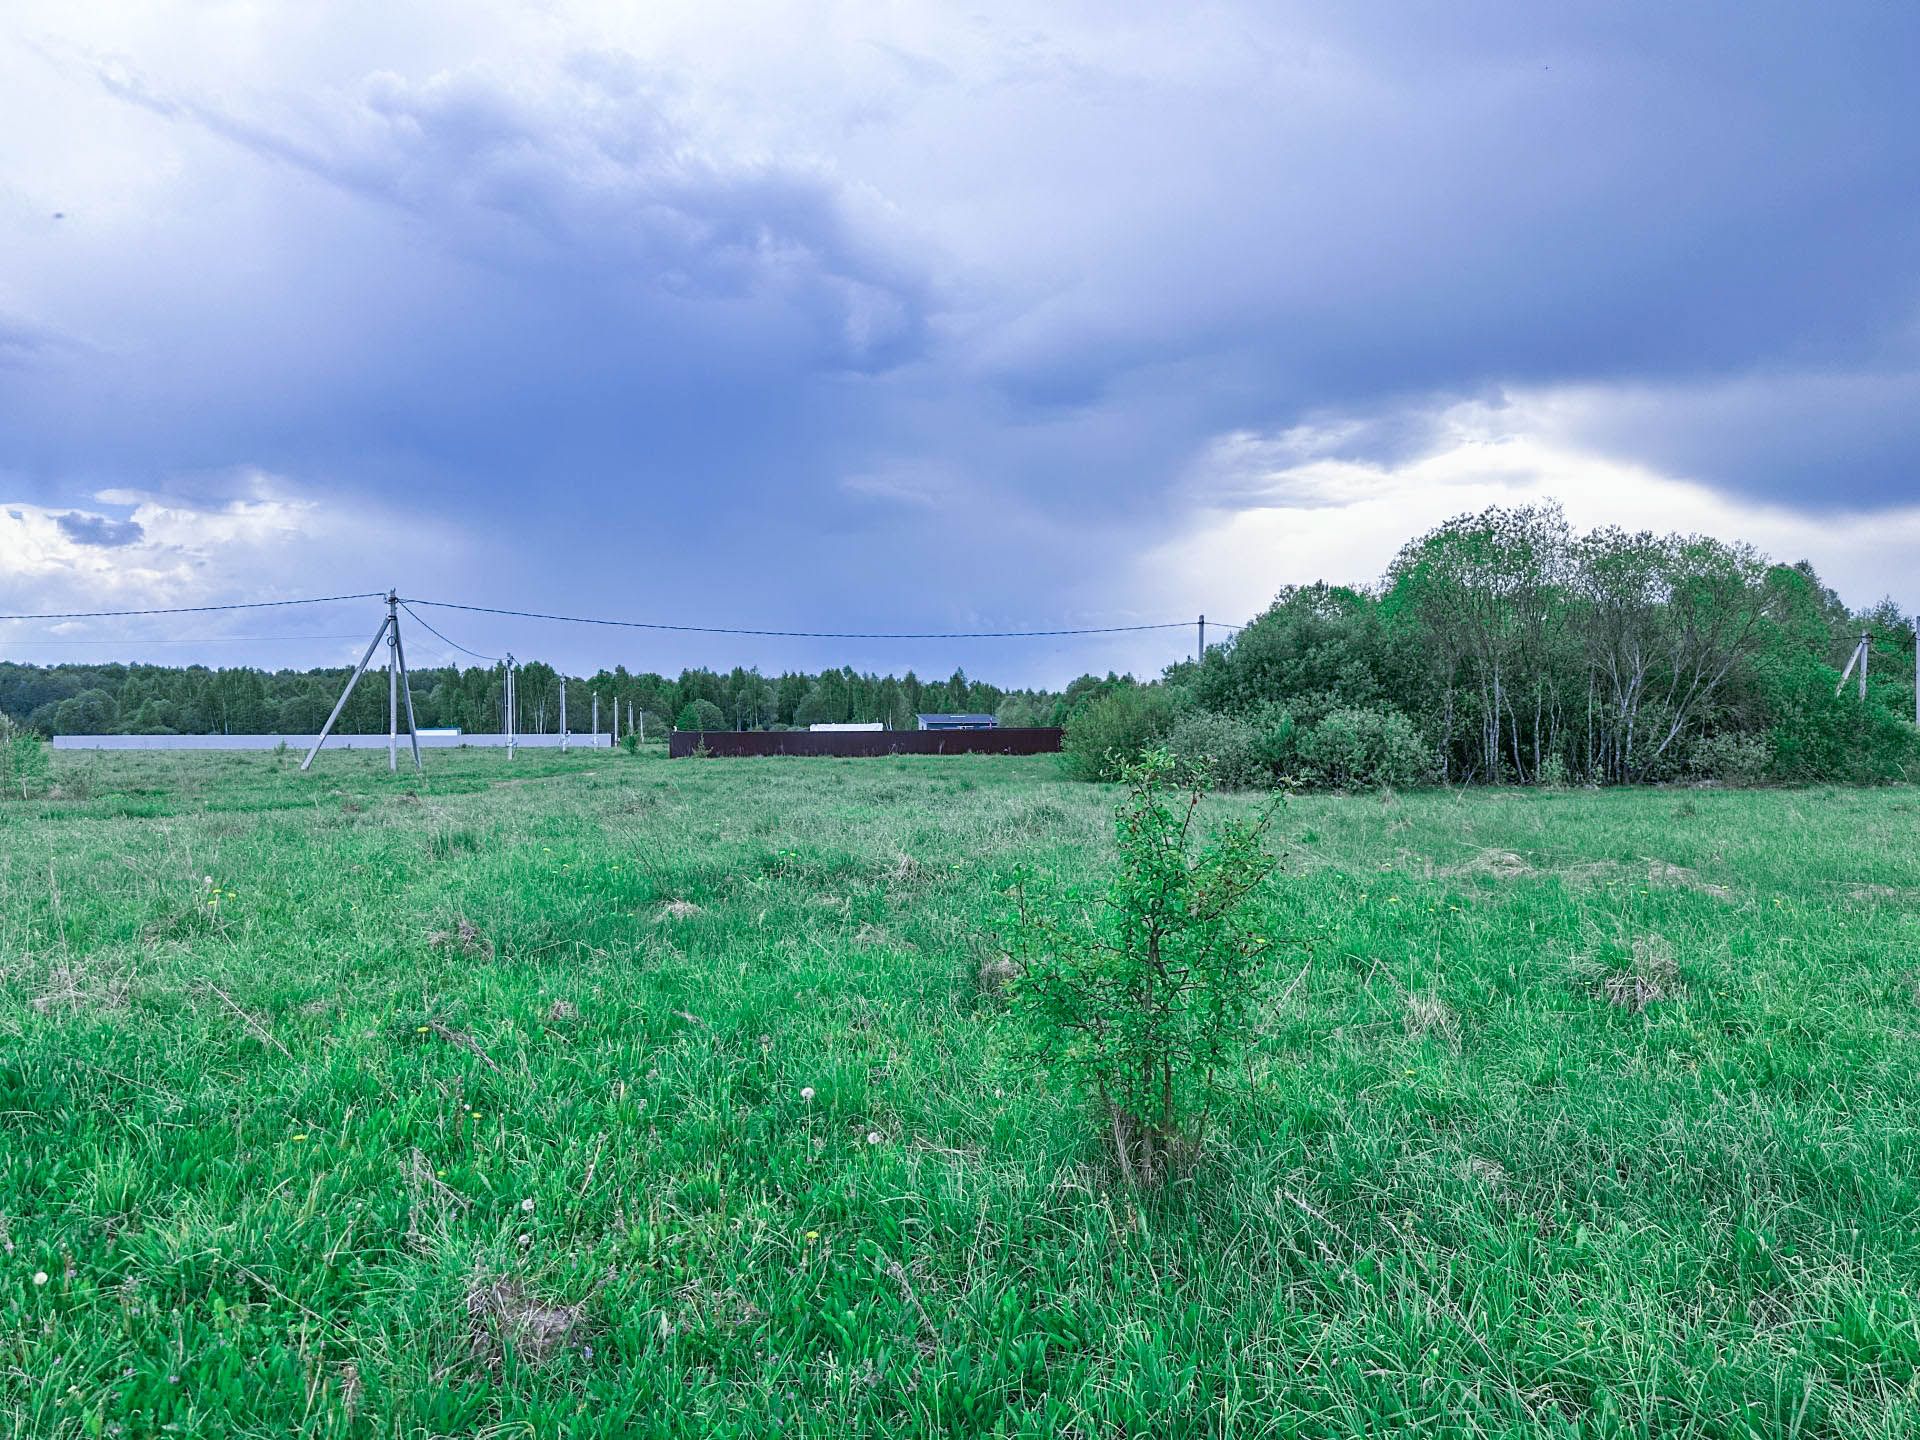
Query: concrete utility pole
(512,706)
(596,719)
(1859,657)
(393,694)
(1201,656)
(563,714)
(406,681)
(396,679)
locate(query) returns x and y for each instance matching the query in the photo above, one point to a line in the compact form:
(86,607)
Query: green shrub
(1732,759)
(1819,736)
(700,715)
(1225,748)
(1105,735)
(25,766)
(1360,748)
(1146,1001)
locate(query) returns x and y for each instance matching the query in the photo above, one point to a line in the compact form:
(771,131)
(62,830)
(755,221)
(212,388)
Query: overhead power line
(803,634)
(492,659)
(654,625)
(131,640)
(195,609)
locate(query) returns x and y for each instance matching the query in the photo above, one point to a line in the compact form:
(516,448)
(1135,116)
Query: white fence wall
(303,742)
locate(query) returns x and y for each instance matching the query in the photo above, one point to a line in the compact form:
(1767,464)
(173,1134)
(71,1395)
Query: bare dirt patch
(501,1313)
(677,910)
(1429,1015)
(995,974)
(68,988)
(466,937)
(1653,976)
(1664,874)
(1498,864)
(1881,895)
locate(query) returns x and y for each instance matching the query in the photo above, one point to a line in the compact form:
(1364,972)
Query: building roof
(958,720)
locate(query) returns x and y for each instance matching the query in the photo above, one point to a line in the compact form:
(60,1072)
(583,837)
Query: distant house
(958,722)
(848,725)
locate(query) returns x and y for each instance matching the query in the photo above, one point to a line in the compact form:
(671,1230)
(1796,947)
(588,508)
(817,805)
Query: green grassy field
(604,1096)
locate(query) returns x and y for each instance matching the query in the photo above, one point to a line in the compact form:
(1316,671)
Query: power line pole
(512,705)
(1202,655)
(596,719)
(396,670)
(393,695)
(406,680)
(1859,658)
(563,714)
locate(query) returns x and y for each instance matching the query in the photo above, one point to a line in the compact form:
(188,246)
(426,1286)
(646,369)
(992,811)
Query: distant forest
(166,700)
(1501,647)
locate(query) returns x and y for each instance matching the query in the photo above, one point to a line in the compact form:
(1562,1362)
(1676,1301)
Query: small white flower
(873,1137)
(39,1277)
(806,1092)
(527,1204)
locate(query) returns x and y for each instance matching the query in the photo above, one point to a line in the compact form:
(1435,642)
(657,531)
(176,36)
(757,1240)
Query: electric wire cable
(490,659)
(803,634)
(195,609)
(198,640)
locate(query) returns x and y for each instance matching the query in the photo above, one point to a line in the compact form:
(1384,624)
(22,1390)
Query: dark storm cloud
(956,296)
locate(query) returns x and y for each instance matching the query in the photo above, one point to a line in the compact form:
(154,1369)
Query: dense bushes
(1506,648)
(25,767)
(1350,747)
(1357,747)
(1106,734)
(700,715)
(1223,750)
(1732,759)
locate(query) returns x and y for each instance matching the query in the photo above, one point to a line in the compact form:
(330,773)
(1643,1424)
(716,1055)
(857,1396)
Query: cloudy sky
(913,317)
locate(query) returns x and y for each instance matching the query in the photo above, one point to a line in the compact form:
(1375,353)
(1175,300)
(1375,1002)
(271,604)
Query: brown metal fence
(1034,741)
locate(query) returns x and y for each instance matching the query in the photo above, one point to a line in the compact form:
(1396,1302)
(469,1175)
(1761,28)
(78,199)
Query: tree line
(124,699)
(1504,647)
(1500,647)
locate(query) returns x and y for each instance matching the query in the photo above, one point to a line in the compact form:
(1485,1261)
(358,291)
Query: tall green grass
(605,1096)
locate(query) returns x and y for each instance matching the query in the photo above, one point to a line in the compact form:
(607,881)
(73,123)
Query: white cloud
(1276,510)
(266,540)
